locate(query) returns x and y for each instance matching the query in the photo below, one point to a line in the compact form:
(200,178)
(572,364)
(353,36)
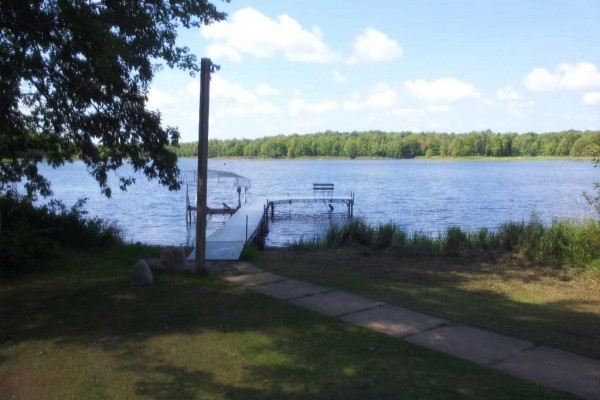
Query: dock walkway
(227,243)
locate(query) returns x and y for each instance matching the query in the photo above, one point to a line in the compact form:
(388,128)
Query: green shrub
(31,236)
(568,243)
(481,239)
(585,249)
(531,237)
(354,232)
(553,244)
(509,236)
(384,235)
(332,237)
(27,250)
(455,240)
(357,231)
(422,243)
(399,239)
(303,243)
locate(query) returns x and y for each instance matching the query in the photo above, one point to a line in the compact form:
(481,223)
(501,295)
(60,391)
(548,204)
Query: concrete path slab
(335,303)
(290,289)
(394,321)
(243,267)
(482,347)
(547,366)
(220,251)
(255,279)
(556,369)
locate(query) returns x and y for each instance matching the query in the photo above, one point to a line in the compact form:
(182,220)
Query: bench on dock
(323,188)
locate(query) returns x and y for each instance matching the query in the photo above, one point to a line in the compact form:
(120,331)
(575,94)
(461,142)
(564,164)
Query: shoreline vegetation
(561,244)
(422,158)
(405,145)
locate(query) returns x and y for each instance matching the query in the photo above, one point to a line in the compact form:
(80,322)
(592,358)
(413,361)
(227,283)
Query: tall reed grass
(561,243)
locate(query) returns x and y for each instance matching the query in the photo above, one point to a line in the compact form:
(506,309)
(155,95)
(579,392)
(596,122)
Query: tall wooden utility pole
(206,66)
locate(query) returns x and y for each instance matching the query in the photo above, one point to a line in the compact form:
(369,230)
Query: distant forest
(405,145)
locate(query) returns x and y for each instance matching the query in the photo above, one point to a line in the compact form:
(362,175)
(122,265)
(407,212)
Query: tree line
(404,145)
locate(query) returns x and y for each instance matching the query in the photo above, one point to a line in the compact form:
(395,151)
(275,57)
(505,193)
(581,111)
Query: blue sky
(448,66)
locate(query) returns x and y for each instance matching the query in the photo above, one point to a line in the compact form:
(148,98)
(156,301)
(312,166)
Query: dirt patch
(25,384)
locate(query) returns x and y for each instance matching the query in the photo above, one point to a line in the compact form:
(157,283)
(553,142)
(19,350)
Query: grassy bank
(502,291)
(81,331)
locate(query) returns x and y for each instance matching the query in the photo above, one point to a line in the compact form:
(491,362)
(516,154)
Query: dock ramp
(227,242)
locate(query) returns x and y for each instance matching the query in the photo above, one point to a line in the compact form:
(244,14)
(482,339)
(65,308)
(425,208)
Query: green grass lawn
(560,308)
(83,331)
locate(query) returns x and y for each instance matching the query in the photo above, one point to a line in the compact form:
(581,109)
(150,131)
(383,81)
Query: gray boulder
(141,274)
(154,263)
(172,259)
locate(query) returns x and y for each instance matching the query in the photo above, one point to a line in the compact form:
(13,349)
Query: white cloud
(298,105)
(222,51)
(511,101)
(411,114)
(507,93)
(591,99)
(157,99)
(265,126)
(381,97)
(445,90)
(262,89)
(517,108)
(442,108)
(374,46)
(338,77)
(249,31)
(582,75)
(231,99)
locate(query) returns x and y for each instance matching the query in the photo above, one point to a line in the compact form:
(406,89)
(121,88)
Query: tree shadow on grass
(185,337)
(442,286)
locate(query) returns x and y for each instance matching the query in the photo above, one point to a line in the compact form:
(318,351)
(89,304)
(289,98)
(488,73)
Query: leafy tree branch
(74,78)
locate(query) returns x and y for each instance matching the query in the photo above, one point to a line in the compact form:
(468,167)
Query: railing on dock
(190,178)
(322,193)
(250,222)
(323,188)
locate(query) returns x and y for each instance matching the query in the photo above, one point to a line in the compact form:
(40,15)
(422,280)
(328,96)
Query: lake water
(416,194)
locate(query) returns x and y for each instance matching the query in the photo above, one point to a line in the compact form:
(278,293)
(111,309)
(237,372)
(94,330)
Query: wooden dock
(244,226)
(349,202)
(250,221)
(322,193)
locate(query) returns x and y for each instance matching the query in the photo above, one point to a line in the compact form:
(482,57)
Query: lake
(419,195)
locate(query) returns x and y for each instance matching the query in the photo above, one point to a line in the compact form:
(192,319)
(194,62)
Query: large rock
(141,274)
(172,259)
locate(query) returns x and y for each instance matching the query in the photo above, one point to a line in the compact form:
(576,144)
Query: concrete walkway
(547,366)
